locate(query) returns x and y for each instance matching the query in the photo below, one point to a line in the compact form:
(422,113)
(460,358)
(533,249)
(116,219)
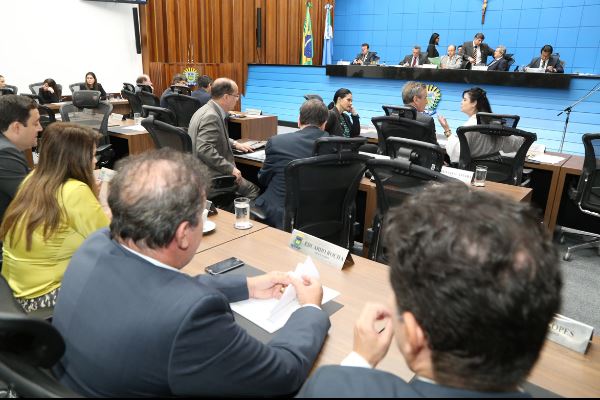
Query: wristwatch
(448,133)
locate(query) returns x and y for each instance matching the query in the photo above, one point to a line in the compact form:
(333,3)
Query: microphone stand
(568,111)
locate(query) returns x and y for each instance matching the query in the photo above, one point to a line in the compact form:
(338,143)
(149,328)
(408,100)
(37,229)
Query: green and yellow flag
(307,42)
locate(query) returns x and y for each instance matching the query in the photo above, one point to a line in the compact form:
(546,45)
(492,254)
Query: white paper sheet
(546,158)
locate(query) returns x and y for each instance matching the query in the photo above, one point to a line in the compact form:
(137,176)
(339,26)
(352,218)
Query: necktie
(477,57)
(544,64)
(414,63)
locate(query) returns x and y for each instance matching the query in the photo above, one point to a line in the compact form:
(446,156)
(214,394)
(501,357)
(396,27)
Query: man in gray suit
(134,325)
(414,94)
(210,137)
(475,287)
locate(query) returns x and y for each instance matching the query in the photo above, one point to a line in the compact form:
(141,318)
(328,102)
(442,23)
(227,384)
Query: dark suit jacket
(423,59)
(552,62)
(334,127)
(280,151)
(485,51)
(371,56)
(426,119)
(202,95)
(336,381)
(46,96)
(83,86)
(132,328)
(498,65)
(13,169)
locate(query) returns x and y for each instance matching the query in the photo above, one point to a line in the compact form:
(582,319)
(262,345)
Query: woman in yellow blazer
(54,211)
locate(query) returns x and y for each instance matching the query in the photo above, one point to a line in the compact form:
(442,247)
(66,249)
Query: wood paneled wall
(218,37)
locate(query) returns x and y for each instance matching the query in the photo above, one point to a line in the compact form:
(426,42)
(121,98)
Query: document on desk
(137,128)
(272,314)
(546,158)
(255,156)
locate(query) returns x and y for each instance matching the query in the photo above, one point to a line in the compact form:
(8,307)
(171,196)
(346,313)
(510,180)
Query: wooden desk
(573,166)
(120,106)
(137,141)
(559,370)
(256,127)
(225,232)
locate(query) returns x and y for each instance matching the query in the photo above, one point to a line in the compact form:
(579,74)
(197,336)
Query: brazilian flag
(307,42)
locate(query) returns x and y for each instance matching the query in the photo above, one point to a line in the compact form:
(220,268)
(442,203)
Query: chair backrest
(336,144)
(165,135)
(74,87)
(399,127)
(87,109)
(35,88)
(128,86)
(501,169)
(47,116)
(320,195)
(223,192)
(183,106)
(423,154)
(134,101)
(8,89)
(185,90)
(588,190)
(8,303)
(145,88)
(510,59)
(484,118)
(161,114)
(314,96)
(400,111)
(148,99)
(395,181)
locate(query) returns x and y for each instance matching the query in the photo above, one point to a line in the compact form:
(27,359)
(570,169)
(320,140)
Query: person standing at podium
(365,57)
(477,52)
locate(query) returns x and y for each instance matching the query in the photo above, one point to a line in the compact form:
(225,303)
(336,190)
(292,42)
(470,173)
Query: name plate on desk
(253,111)
(331,254)
(460,174)
(572,334)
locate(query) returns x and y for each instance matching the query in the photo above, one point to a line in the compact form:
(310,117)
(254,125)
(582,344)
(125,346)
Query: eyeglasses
(237,96)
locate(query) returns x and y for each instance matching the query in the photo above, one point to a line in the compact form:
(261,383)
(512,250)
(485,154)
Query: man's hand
(243,147)
(238,175)
(268,286)
(308,290)
(372,342)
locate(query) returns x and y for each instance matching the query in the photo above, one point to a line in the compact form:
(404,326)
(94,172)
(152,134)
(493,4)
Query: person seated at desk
(547,61)
(144,84)
(414,94)
(477,52)
(178,80)
(416,59)
(281,150)
(451,60)
(91,83)
(434,40)
(499,63)
(136,326)
(365,57)
(338,123)
(474,289)
(204,87)
(54,211)
(49,92)
(475,100)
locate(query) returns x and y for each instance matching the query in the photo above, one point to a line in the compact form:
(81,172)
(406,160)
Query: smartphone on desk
(224,266)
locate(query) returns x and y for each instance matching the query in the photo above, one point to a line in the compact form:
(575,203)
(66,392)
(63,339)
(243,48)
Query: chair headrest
(86,98)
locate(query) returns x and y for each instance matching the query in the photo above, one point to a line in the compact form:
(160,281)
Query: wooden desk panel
(573,166)
(256,127)
(225,232)
(120,106)
(137,142)
(559,370)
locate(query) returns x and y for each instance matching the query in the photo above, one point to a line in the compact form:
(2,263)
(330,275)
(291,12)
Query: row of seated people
(175,335)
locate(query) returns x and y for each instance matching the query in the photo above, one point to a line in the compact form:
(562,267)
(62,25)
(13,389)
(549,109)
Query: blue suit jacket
(202,95)
(336,381)
(280,151)
(498,65)
(134,329)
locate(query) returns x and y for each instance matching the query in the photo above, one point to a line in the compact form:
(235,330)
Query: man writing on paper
(416,59)
(546,61)
(135,326)
(473,298)
(365,57)
(281,150)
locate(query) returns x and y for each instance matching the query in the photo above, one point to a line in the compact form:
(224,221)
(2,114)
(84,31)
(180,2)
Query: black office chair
(8,89)
(336,145)
(145,88)
(165,135)
(87,109)
(501,169)
(399,127)
(587,195)
(400,111)
(161,114)
(29,347)
(35,88)
(128,86)
(314,96)
(510,58)
(148,99)
(423,154)
(47,116)
(183,106)
(185,90)
(510,121)
(74,87)
(134,102)
(395,181)
(8,303)
(320,196)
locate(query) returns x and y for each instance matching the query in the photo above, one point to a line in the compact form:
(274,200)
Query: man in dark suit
(471,304)
(499,63)
(210,136)
(365,57)
(178,80)
(414,94)
(19,127)
(415,59)
(547,61)
(477,52)
(134,325)
(203,92)
(144,84)
(281,150)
